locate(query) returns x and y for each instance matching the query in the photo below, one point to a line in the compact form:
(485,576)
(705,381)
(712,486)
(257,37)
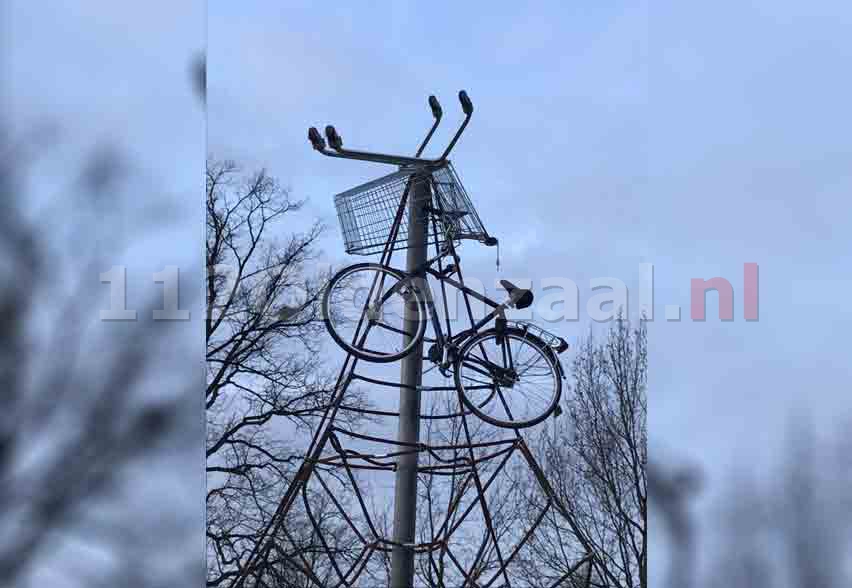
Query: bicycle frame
(450,339)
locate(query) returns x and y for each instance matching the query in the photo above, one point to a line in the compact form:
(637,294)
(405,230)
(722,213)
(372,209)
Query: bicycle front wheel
(509,380)
(364,310)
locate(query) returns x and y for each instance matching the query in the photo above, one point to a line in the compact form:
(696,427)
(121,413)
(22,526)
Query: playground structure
(506,377)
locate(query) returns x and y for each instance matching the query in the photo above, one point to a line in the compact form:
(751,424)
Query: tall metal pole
(405,502)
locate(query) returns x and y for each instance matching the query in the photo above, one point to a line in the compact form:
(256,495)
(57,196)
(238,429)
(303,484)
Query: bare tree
(596,461)
(265,376)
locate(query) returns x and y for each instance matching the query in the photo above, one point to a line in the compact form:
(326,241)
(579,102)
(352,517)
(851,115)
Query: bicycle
(509,375)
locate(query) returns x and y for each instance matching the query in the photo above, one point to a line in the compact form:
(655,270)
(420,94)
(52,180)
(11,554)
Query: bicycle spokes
(509,380)
(366,312)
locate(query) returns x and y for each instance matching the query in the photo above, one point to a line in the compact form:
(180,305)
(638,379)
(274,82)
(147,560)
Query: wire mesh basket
(368,213)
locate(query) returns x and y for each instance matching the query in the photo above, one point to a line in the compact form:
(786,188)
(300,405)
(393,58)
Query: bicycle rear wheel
(364,311)
(509,380)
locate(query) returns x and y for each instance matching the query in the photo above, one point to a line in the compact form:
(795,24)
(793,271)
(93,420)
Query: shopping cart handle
(334,139)
(467,105)
(316,139)
(436,108)
(336,142)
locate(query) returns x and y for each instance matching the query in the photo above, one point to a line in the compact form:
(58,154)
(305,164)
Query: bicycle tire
(348,346)
(544,352)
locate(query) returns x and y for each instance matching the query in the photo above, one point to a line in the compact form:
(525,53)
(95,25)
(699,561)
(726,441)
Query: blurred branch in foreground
(670,491)
(793,528)
(96,419)
(788,528)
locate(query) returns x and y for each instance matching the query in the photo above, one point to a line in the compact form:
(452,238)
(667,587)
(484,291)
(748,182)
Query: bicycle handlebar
(335,141)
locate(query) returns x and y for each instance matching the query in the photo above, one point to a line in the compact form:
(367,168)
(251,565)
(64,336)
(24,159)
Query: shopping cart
(508,373)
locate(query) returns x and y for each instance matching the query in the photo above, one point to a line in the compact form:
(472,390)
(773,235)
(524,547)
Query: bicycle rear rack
(552,340)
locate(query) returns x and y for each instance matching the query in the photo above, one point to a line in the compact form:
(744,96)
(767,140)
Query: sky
(606,135)
(693,137)
(83,78)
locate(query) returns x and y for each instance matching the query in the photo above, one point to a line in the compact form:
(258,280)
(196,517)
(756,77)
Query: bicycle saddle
(521,297)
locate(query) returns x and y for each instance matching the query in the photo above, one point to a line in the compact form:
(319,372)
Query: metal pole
(405,502)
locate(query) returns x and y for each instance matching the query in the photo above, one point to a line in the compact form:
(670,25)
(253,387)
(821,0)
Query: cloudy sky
(114,77)
(605,135)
